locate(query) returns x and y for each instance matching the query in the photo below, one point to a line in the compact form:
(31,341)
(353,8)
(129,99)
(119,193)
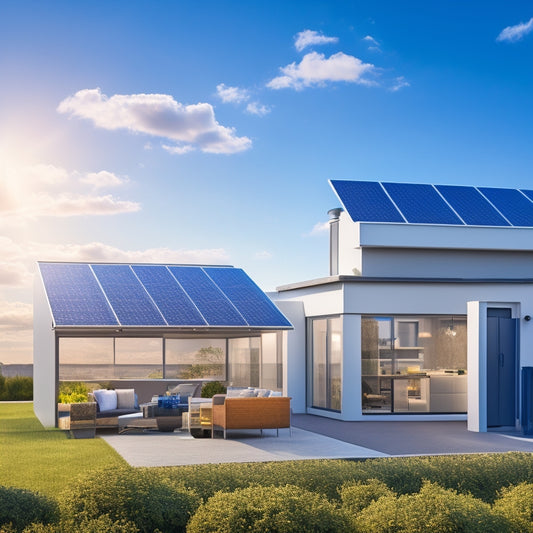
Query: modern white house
(425,314)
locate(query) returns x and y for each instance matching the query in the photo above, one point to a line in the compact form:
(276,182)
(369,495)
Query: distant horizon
(206,133)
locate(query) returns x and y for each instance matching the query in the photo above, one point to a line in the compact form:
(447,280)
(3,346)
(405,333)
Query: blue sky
(206,132)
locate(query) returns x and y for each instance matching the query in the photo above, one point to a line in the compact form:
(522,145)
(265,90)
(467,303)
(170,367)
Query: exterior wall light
(527,318)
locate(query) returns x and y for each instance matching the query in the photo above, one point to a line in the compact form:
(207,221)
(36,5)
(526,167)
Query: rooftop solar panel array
(156,295)
(435,204)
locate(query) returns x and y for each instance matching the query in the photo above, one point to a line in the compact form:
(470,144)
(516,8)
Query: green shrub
(432,510)
(358,496)
(16,388)
(140,496)
(20,508)
(516,504)
(257,509)
(73,392)
(482,475)
(212,388)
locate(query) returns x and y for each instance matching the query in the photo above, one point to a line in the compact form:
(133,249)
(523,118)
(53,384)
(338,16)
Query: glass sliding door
(326,363)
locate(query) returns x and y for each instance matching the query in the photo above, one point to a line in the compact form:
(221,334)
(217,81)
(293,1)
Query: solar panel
(253,304)
(421,204)
(75,297)
(366,201)
(131,303)
(528,193)
(170,298)
(208,298)
(512,204)
(471,206)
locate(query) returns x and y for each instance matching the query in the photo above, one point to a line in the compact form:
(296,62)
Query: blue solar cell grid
(127,296)
(528,193)
(421,204)
(75,296)
(209,299)
(366,201)
(512,204)
(169,297)
(471,206)
(247,297)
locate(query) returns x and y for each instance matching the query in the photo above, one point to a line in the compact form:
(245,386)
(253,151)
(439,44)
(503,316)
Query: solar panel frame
(75,296)
(127,296)
(420,203)
(251,302)
(515,206)
(172,301)
(376,206)
(471,206)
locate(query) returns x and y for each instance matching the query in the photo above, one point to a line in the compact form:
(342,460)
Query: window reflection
(414,364)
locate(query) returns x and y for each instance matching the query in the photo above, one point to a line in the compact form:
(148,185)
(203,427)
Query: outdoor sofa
(252,412)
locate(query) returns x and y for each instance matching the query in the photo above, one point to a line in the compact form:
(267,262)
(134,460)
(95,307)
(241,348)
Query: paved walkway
(179,448)
(314,437)
(415,438)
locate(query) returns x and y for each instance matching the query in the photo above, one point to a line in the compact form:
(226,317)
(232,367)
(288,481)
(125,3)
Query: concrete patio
(314,438)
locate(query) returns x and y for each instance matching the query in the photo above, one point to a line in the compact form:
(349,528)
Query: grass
(45,460)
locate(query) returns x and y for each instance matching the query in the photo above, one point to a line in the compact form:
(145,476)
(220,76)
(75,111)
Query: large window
(325,363)
(243,362)
(195,359)
(413,364)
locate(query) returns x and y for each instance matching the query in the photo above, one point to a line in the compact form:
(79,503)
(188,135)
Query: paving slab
(180,448)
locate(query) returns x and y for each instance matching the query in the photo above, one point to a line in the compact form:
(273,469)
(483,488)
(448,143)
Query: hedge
(16,388)
(432,510)
(516,505)
(482,475)
(19,508)
(258,509)
(140,496)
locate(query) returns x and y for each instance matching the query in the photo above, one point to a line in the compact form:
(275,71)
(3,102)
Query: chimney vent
(334,215)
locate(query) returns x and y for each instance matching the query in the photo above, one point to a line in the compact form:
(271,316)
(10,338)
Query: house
(425,314)
(150,326)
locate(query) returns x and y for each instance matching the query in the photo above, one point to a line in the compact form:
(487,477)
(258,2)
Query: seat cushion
(125,398)
(106,399)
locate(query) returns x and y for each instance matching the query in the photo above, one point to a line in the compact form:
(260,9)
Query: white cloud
(232,94)
(263,255)
(255,108)
(399,83)
(45,190)
(373,44)
(310,37)
(517,32)
(320,228)
(316,69)
(16,315)
(103,179)
(158,115)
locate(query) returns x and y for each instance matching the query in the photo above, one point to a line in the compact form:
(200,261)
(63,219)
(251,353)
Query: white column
(351,367)
(477,366)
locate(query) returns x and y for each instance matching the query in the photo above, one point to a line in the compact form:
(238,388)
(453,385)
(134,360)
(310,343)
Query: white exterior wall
(351,300)
(294,358)
(44,358)
(422,251)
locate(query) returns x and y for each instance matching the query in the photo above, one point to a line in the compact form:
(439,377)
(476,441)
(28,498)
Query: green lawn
(45,460)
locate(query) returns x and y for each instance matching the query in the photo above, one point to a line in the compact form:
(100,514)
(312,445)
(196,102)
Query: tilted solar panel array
(156,295)
(415,203)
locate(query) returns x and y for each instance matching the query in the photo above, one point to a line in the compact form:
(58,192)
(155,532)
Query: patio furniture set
(242,408)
